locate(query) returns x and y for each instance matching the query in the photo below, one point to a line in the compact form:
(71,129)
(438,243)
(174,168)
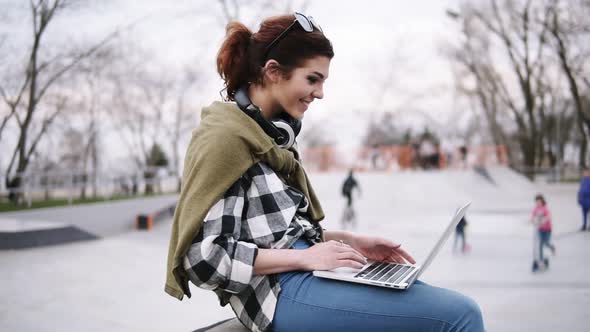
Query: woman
(247,221)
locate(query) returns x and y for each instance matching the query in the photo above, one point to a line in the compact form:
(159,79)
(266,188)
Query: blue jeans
(308,303)
(584,216)
(544,241)
(459,236)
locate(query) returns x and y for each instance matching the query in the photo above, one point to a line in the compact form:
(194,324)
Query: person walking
(584,198)
(247,222)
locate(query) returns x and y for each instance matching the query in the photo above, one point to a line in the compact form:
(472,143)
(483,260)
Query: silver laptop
(393,275)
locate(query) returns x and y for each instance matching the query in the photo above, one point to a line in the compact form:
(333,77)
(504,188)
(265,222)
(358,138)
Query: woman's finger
(352,256)
(405,255)
(346,248)
(394,258)
(377,242)
(397,258)
(392,245)
(350,263)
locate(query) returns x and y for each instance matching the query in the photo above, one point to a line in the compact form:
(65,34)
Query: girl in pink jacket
(541,218)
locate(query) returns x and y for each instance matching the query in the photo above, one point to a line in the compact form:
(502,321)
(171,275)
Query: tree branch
(46,123)
(79,58)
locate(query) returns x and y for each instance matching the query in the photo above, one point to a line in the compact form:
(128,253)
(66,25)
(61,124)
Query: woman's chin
(296,114)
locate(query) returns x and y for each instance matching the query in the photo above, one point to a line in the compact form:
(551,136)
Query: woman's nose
(318,92)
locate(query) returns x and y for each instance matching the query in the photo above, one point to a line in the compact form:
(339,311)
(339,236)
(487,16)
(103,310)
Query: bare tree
(151,105)
(477,77)
(383,132)
(231,10)
(132,103)
(314,136)
(184,118)
(565,26)
(88,109)
(129,120)
(36,81)
(516,29)
(544,47)
(156,90)
(524,46)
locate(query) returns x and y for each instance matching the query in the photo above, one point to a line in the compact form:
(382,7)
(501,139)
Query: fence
(400,157)
(73,184)
(559,173)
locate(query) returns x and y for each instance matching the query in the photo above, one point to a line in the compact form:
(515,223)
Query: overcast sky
(372,40)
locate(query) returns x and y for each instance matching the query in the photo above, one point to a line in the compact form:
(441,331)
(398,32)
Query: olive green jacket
(225,145)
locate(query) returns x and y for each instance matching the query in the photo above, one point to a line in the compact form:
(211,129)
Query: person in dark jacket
(349,214)
(460,236)
(348,186)
(584,197)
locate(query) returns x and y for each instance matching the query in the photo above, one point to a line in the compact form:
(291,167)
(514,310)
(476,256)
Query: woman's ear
(272,71)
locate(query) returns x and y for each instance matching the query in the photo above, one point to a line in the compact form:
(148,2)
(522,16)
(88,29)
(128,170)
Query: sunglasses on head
(305,22)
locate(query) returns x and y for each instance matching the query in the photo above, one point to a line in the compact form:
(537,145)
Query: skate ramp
(22,234)
(54,226)
(101,218)
(434,190)
(401,196)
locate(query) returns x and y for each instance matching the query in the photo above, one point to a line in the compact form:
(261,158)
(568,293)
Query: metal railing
(71,184)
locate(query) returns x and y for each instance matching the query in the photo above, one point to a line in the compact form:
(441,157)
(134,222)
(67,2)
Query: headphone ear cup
(287,131)
(296,125)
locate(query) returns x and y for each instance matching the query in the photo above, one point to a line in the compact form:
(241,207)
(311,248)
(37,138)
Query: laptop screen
(441,241)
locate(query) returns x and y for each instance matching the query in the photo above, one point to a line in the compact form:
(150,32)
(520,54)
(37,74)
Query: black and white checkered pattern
(257,211)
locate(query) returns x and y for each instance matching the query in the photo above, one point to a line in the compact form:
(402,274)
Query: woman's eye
(312,79)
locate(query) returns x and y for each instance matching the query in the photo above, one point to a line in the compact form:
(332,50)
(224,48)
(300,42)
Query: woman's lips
(306,103)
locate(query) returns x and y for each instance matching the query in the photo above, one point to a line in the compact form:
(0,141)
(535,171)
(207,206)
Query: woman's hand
(379,249)
(330,255)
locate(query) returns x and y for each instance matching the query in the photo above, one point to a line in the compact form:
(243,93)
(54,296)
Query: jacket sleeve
(216,257)
(584,193)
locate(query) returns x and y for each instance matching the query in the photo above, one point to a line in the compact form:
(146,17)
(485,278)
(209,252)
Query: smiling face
(306,83)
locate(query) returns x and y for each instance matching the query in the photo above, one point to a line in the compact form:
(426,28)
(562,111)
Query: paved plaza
(115,283)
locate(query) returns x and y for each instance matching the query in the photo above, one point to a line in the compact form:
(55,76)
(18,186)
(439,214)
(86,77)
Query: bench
(228,325)
(146,221)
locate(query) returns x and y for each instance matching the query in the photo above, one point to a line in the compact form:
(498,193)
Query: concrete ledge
(228,325)
(146,221)
(31,238)
(101,218)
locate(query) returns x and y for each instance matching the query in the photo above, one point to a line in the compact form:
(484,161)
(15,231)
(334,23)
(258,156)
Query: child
(541,218)
(460,236)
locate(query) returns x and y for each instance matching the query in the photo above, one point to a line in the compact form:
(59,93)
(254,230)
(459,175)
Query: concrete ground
(116,283)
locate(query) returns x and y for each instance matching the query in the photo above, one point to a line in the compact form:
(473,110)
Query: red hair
(240,58)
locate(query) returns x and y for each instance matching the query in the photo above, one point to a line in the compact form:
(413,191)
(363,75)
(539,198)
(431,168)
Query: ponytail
(242,55)
(233,63)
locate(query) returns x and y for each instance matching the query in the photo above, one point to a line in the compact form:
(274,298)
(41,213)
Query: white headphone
(282,130)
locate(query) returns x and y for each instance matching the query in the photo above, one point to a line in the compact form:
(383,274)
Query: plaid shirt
(257,211)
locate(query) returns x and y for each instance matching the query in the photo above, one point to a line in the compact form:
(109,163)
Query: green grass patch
(39,204)
(571,180)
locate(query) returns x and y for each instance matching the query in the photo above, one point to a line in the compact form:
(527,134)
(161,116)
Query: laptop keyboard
(385,272)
